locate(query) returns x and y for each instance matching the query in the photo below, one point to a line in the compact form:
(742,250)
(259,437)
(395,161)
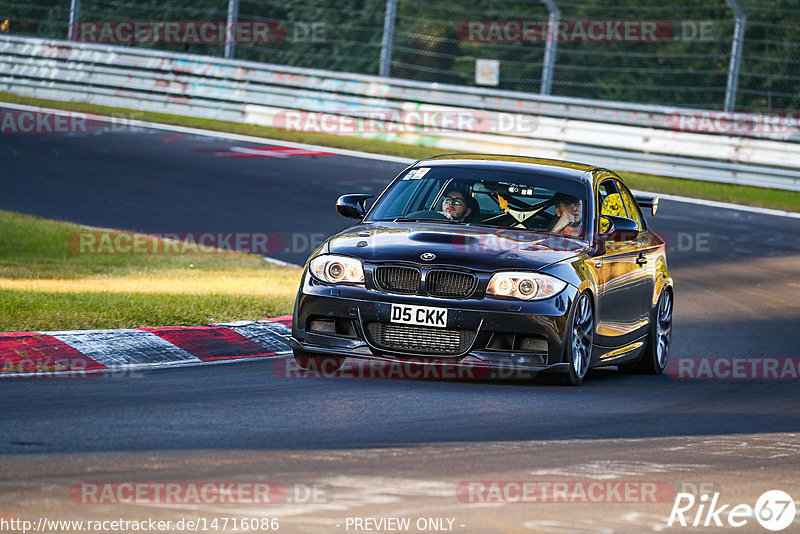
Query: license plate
(419,315)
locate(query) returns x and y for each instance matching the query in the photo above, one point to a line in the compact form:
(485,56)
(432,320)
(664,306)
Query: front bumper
(506,334)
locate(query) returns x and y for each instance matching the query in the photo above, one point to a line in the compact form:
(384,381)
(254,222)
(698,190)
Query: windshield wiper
(482,225)
(426,219)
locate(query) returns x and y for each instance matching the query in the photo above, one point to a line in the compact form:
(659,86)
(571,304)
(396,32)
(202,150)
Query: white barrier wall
(617,135)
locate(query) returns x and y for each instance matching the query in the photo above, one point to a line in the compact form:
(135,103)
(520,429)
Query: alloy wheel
(664,328)
(582,332)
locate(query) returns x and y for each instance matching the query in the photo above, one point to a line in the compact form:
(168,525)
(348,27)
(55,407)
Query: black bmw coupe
(510,262)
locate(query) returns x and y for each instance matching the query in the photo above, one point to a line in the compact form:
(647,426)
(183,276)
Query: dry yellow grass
(281,283)
(46,286)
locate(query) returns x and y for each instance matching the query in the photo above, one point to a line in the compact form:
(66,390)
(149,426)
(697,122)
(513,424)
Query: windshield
(487,197)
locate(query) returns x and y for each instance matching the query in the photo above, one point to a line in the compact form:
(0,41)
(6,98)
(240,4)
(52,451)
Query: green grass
(44,285)
(738,194)
(24,311)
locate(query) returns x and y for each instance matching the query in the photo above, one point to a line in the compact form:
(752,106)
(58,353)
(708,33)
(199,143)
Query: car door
(647,248)
(622,277)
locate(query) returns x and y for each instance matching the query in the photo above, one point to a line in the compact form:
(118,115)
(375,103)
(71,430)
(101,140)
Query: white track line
(368,155)
(280,263)
(723,205)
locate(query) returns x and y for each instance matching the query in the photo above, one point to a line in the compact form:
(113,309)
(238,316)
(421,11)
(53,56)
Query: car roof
(563,169)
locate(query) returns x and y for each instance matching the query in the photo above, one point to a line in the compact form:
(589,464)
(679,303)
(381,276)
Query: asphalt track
(394,447)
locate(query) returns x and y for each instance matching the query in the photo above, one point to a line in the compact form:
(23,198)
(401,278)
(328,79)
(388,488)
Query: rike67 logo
(774,510)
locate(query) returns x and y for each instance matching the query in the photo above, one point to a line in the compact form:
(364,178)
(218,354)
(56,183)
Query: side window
(610,202)
(631,207)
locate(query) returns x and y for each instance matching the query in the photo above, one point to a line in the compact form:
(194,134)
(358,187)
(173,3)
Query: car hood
(478,248)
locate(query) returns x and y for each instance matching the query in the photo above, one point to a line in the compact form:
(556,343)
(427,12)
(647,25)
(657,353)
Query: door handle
(641,260)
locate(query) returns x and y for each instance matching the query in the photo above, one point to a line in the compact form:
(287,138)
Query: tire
(659,339)
(578,346)
(319,363)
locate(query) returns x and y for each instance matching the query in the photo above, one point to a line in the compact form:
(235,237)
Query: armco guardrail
(618,135)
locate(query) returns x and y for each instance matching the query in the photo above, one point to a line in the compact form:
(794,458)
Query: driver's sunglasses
(453,201)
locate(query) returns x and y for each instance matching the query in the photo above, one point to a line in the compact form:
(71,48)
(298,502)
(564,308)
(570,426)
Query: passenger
(569,210)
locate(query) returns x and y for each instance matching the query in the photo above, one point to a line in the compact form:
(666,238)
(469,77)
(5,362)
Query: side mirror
(619,228)
(353,206)
(648,202)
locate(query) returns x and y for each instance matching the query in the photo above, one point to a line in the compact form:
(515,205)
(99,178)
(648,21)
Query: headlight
(524,286)
(337,269)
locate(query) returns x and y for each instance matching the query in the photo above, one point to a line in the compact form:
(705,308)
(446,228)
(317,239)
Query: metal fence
(707,54)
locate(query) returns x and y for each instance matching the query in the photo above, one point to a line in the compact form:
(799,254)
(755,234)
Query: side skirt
(614,356)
